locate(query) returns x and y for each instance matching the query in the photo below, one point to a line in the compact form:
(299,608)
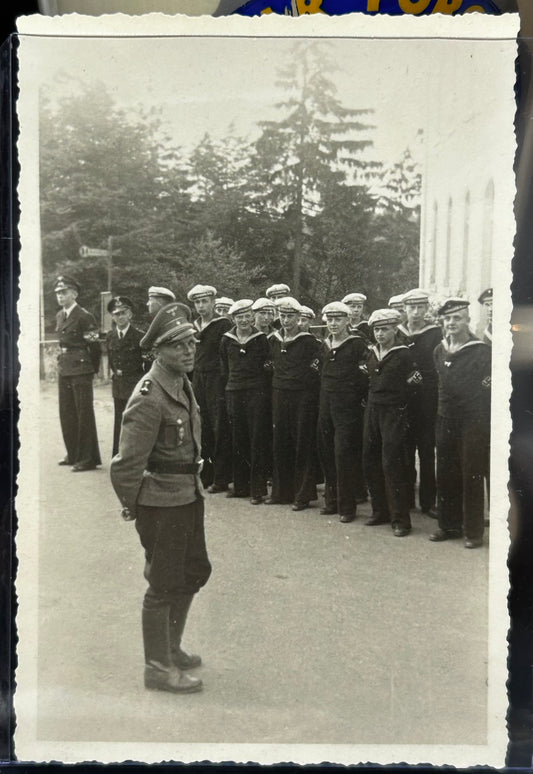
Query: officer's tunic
(295,390)
(422,410)
(243,370)
(386,434)
(77,362)
(463,435)
(209,392)
(127,367)
(343,388)
(155,475)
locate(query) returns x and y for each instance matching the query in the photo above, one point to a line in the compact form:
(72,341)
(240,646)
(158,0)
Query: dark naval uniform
(295,390)
(422,410)
(463,435)
(386,435)
(77,362)
(127,367)
(343,389)
(209,392)
(243,370)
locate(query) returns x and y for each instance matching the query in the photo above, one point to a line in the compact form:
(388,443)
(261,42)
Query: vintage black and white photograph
(264,310)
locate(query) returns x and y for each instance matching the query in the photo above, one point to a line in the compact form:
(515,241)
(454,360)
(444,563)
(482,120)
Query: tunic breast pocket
(173,432)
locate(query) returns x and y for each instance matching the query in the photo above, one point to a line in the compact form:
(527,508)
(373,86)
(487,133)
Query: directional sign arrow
(94,252)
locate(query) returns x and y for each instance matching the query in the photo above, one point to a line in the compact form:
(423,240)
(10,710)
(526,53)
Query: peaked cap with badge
(120,304)
(486,296)
(64,282)
(453,304)
(171,324)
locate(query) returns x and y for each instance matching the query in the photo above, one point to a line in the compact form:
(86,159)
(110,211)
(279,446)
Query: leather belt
(173,467)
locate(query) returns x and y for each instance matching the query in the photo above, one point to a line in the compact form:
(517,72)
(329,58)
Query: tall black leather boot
(179,610)
(160,673)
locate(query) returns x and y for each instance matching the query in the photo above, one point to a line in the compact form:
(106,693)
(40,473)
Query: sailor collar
(327,341)
(277,335)
(406,332)
(375,349)
(254,335)
(473,342)
(198,324)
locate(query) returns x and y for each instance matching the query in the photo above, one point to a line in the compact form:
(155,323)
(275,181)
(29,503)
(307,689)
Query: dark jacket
(392,377)
(79,347)
(158,429)
(125,361)
(295,363)
(464,379)
(207,356)
(342,367)
(244,366)
(422,345)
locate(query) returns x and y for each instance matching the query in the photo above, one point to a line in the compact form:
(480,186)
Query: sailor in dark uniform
(295,389)
(392,375)
(343,388)
(356,302)
(463,364)
(244,355)
(222,305)
(306,318)
(77,363)
(422,337)
(485,299)
(265,313)
(125,358)
(156,478)
(158,297)
(209,390)
(396,302)
(274,293)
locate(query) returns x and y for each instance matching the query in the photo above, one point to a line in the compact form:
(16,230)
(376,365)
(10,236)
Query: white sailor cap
(396,301)
(354,297)
(416,296)
(277,290)
(306,311)
(224,302)
(263,303)
(288,305)
(336,309)
(381,317)
(241,306)
(163,292)
(201,291)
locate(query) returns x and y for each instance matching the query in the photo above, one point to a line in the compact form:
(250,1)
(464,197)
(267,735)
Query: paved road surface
(311,631)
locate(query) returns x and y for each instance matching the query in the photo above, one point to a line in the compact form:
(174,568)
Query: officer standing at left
(77,362)
(125,358)
(156,476)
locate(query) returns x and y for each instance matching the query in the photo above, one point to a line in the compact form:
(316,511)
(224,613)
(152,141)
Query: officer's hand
(127,515)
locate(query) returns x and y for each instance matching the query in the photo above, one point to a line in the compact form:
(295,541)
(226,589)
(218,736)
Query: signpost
(96,252)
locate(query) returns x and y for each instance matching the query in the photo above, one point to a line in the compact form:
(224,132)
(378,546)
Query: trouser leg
(240,442)
(474,455)
(283,449)
(258,408)
(303,421)
(326,449)
(373,465)
(88,452)
(449,475)
(347,418)
(223,469)
(394,434)
(207,434)
(68,417)
(119,405)
(425,439)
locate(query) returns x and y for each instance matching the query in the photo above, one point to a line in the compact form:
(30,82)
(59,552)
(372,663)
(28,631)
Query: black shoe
(429,512)
(64,461)
(216,488)
(186,660)
(473,542)
(346,518)
(256,501)
(300,506)
(170,679)
(232,493)
(328,510)
(82,468)
(399,531)
(444,534)
(376,519)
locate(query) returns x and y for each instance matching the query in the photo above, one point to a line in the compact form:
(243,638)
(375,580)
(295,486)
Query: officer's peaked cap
(201,291)
(263,303)
(396,300)
(416,296)
(307,312)
(64,282)
(169,325)
(351,297)
(485,296)
(277,290)
(453,304)
(336,309)
(288,305)
(381,317)
(241,306)
(159,291)
(119,303)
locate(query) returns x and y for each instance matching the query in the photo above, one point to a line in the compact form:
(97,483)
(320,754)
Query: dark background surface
(521,555)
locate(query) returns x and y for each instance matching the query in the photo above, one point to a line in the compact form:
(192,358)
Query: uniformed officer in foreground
(156,476)
(78,361)
(125,358)
(463,364)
